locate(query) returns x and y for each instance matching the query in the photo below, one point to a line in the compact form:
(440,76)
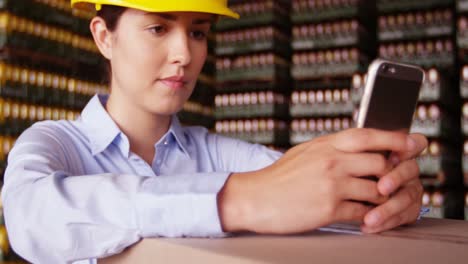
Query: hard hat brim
(168,6)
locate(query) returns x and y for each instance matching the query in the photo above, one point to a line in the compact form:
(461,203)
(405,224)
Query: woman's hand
(405,188)
(318,183)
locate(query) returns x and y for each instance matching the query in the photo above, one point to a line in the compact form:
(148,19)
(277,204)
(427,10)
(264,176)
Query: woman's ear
(102,36)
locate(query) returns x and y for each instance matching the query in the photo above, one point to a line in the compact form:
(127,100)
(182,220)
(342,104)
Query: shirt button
(166,143)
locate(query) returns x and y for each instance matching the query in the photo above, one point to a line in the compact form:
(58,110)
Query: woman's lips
(175,82)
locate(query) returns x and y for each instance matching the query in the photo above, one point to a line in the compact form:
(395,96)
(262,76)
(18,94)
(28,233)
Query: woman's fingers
(365,164)
(420,144)
(407,217)
(362,190)
(402,146)
(404,173)
(408,196)
(351,211)
(365,140)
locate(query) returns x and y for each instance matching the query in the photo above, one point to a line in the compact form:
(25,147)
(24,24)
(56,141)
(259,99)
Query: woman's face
(156,58)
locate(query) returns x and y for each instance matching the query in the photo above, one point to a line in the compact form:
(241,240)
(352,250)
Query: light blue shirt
(73,190)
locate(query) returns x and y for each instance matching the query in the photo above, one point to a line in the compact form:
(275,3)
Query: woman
(127,170)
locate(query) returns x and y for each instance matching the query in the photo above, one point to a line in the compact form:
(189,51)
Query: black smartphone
(390,97)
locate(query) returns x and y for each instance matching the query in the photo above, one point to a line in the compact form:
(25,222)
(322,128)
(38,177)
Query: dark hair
(111,15)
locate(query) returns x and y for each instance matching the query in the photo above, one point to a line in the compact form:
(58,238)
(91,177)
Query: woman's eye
(199,35)
(157,29)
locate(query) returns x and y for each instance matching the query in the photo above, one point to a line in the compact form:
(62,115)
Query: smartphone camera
(388,69)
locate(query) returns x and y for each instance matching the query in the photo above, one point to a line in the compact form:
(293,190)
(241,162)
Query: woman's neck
(142,128)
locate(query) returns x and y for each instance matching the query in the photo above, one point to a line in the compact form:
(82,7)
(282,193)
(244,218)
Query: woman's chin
(166,111)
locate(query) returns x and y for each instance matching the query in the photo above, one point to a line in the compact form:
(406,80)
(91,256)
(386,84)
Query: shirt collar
(177,131)
(103,131)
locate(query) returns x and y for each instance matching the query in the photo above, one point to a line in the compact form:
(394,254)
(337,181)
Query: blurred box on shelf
(194,113)
(15,116)
(321,103)
(466,206)
(462,5)
(38,87)
(429,53)
(4,243)
(277,86)
(267,131)
(330,35)
(433,121)
(439,163)
(464,82)
(416,25)
(389,6)
(464,120)
(6,144)
(58,13)
(430,160)
(433,86)
(257,13)
(462,32)
(253,40)
(44,47)
(23,33)
(357,87)
(328,63)
(435,202)
(257,67)
(465,162)
(305,11)
(305,129)
(250,105)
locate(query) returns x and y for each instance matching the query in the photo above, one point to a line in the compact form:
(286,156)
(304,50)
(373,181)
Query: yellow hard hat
(218,7)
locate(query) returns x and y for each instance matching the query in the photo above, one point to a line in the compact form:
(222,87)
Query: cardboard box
(429,241)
